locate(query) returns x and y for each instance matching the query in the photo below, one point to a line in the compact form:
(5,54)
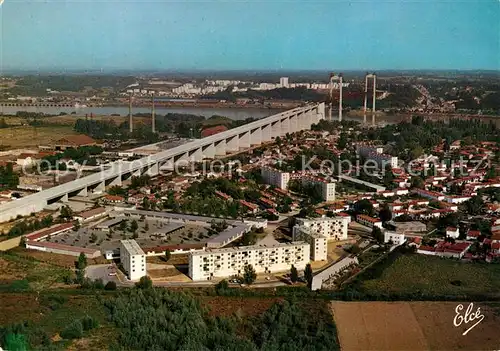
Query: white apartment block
(377,154)
(223,263)
(317,232)
(284,82)
(332,228)
(327,188)
(133,259)
(275,177)
(317,242)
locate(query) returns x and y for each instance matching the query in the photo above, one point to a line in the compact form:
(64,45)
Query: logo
(468,317)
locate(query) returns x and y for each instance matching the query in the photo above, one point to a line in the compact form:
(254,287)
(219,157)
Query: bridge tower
(153,128)
(373,76)
(331,84)
(130,122)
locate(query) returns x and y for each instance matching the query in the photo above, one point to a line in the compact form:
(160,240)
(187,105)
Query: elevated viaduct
(233,140)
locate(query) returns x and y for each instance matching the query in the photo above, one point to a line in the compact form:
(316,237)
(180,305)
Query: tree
(82,261)
(249,274)
(474,206)
(16,342)
(73,331)
(308,275)
(378,235)
(22,242)
(385,214)
(294,275)
(167,255)
(144,283)
(134,226)
(76,225)
(363,207)
(66,212)
(417,182)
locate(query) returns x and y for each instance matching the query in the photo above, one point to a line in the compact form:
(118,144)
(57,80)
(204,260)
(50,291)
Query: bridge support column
(256,137)
(209,151)
(197,155)
(320,112)
(153,170)
(233,144)
(101,187)
(137,173)
(266,133)
(168,165)
(244,140)
(65,198)
(293,124)
(116,181)
(275,129)
(285,126)
(220,148)
(83,192)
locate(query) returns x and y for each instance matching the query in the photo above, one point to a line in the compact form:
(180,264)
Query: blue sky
(289,35)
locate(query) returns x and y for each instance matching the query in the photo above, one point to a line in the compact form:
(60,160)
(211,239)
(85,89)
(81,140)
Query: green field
(413,273)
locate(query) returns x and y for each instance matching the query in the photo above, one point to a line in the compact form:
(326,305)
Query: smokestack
(340,98)
(130,125)
(366,94)
(153,129)
(374,88)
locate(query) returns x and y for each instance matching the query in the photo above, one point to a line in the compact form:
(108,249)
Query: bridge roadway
(232,140)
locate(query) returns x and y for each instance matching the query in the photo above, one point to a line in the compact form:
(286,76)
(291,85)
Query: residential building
(92,214)
(227,262)
(332,228)
(133,259)
(452,232)
(327,188)
(368,221)
(396,238)
(275,177)
(317,242)
(376,153)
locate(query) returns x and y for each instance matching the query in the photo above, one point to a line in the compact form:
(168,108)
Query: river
(233,113)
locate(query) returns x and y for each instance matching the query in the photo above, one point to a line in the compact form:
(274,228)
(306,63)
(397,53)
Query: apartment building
(332,228)
(227,262)
(133,259)
(376,153)
(326,187)
(275,177)
(317,242)
(318,231)
(369,221)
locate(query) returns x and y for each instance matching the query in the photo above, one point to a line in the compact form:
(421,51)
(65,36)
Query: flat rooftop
(249,248)
(110,223)
(132,247)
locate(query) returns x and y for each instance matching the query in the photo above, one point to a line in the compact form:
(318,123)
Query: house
(252,208)
(74,141)
(396,238)
(473,234)
(368,221)
(452,232)
(455,250)
(114,199)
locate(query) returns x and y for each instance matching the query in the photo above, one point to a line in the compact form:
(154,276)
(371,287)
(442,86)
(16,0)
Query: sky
(249,35)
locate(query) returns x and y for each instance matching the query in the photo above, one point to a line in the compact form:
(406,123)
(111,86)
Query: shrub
(73,330)
(144,283)
(89,323)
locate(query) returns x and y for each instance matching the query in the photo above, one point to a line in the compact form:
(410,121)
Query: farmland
(419,274)
(412,326)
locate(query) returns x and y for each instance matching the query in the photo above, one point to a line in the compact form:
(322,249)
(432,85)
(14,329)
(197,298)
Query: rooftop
(132,247)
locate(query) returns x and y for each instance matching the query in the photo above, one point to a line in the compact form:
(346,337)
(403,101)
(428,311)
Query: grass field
(27,137)
(431,275)
(413,326)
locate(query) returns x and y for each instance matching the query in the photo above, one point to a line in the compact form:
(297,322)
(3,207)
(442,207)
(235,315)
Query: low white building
(133,259)
(223,263)
(396,238)
(275,177)
(452,232)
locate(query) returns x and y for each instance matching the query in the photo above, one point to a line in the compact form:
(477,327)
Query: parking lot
(106,272)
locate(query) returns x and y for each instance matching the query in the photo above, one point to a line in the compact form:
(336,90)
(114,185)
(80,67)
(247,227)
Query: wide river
(233,113)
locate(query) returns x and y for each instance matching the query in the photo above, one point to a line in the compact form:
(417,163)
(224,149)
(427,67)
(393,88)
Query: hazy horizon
(253,36)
